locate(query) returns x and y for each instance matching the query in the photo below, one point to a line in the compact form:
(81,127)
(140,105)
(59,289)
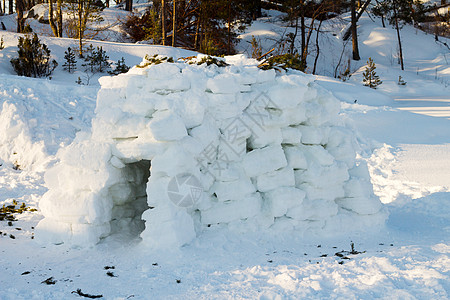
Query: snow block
(275,179)
(166,126)
(266,136)
(260,161)
(314,135)
(287,95)
(282,199)
(226,212)
(316,210)
(291,135)
(163,72)
(174,232)
(49,231)
(233,190)
(223,84)
(295,157)
(361,205)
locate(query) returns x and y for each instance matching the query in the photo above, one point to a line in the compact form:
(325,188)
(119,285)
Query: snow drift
(179,148)
(37,117)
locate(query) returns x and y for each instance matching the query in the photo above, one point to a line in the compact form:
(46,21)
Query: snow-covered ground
(404,133)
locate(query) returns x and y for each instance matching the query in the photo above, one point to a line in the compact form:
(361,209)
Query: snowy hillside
(403,135)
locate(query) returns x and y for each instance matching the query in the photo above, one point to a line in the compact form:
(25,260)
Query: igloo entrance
(129,199)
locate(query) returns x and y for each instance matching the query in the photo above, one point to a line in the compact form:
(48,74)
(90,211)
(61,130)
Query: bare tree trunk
(360,12)
(197,31)
(28,5)
(362,9)
(59,22)
(107,3)
(303,30)
(257,13)
(308,38)
(355,49)
(163,22)
(229,28)
(11,7)
(344,44)
(128,5)
(20,19)
(174,24)
(398,36)
(382,17)
(51,20)
(317,48)
(80,26)
(1,9)
(294,37)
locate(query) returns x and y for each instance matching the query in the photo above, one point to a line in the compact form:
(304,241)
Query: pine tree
(96,60)
(344,76)
(89,50)
(256,47)
(101,60)
(71,64)
(370,77)
(89,59)
(34,58)
(120,68)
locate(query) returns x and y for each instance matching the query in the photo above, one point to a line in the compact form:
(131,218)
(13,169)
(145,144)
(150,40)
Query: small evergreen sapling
(96,60)
(121,67)
(101,60)
(71,63)
(344,76)
(89,59)
(401,81)
(89,50)
(370,77)
(347,73)
(34,58)
(27,29)
(2,46)
(256,47)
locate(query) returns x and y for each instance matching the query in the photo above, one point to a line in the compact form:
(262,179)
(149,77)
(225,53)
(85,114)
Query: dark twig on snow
(80,293)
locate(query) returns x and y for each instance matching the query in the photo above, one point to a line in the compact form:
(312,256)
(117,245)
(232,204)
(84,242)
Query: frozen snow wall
(230,146)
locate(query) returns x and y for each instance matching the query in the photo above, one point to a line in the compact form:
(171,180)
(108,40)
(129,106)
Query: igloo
(178,148)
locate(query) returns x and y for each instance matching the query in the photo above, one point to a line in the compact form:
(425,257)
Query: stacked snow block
(268,151)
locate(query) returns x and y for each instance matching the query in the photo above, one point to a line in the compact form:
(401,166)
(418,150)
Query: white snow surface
(403,133)
(39,117)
